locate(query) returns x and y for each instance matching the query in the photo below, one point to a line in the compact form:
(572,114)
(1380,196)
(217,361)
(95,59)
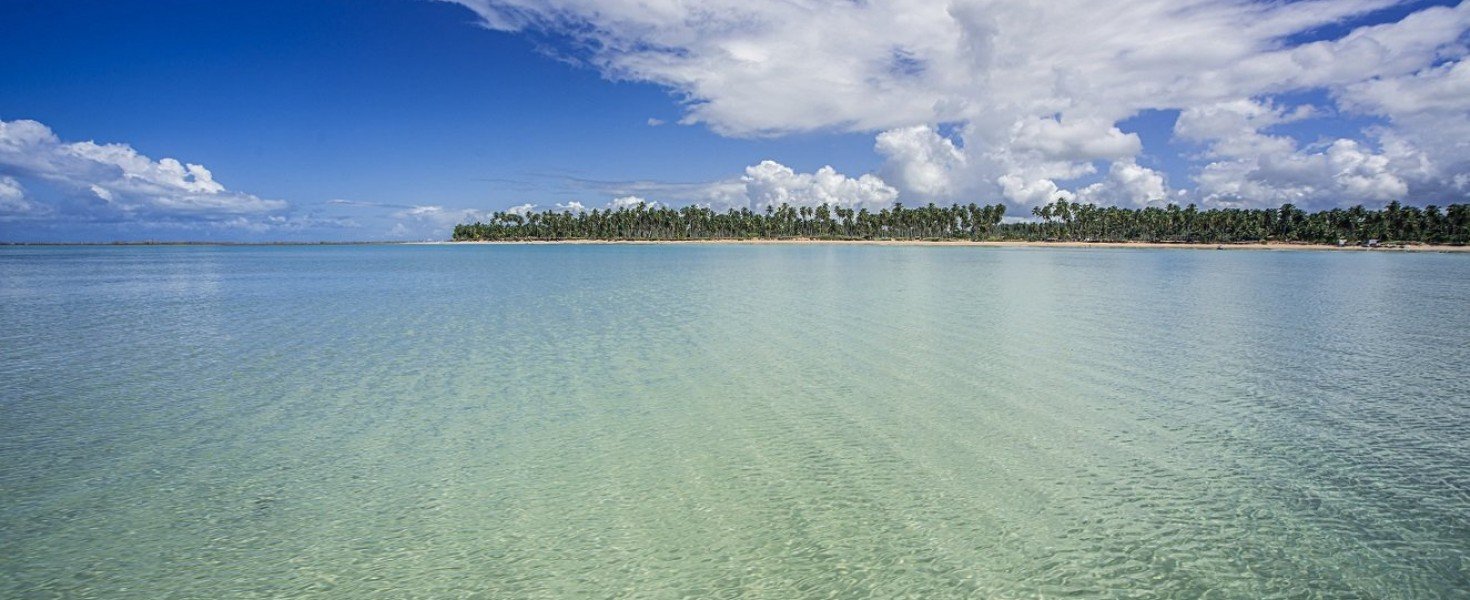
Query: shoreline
(1269,246)
(980,244)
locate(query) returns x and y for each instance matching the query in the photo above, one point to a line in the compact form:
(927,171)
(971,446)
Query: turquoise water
(732,421)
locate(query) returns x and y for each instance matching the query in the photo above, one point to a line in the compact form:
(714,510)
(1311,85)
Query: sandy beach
(1001,244)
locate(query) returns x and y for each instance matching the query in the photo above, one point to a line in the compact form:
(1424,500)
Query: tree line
(1058,221)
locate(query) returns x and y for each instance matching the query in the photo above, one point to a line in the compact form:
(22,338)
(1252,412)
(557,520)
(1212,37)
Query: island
(1062,221)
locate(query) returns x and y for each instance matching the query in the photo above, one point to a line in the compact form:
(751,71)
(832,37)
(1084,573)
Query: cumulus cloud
(922,161)
(1127,184)
(1341,173)
(1037,89)
(630,203)
(1074,139)
(13,201)
(119,181)
(1438,90)
(427,221)
(11,190)
(1429,113)
(765,183)
(521,209)
(1251,166)
(1020,190)
(771,184)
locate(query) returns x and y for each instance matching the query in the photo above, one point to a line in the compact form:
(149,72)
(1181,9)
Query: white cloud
(1342,173)
(921,161)
(1037,89)
(1021,191)
(1234,122)
(771,184)
(102,192)
(1074,139)
(123,180)
(522,209)
(424,211)
(1127,183)
(721,195)
(1252,167)
(772,66)
(11,190)
(425,222)
(1441,89)
(1428,142)
(13,201)
(630,203)
(767,182)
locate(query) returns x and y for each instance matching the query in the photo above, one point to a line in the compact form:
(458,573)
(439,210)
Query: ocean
(732,421)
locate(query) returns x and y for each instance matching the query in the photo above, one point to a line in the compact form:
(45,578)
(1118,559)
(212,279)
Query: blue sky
(393,119)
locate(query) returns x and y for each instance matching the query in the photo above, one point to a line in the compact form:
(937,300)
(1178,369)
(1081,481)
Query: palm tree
(1073,220)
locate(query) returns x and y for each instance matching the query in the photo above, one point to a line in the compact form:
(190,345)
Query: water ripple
(732,422)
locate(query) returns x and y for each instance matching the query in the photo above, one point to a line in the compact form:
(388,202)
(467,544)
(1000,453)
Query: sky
(361,120)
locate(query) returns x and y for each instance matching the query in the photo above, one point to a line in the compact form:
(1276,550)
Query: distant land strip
(1395,225)
(1402,247)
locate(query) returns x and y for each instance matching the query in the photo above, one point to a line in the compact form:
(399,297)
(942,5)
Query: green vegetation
(1059,221)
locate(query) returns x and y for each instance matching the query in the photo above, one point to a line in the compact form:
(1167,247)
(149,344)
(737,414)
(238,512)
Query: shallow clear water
(732,421)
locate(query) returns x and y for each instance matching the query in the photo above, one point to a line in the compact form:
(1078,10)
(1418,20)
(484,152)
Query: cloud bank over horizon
(1032,94)
(116,179)
(78,185)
